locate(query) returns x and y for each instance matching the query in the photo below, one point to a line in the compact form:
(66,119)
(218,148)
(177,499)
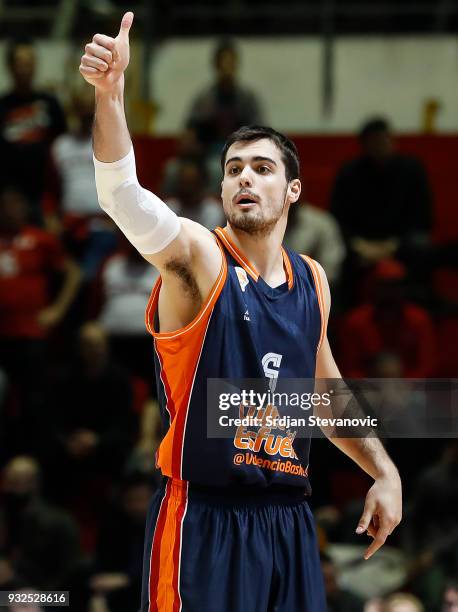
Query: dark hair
(374,126)
(12,47)
(222,47)
(251,133)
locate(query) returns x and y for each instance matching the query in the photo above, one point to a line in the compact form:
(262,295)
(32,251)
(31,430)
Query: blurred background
(368,90)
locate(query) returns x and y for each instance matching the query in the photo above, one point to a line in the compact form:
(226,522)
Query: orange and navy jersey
(245,329)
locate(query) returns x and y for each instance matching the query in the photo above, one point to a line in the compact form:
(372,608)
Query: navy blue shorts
(207,551)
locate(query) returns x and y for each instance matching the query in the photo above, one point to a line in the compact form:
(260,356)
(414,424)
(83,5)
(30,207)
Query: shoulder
(351,166)
(204,95)
(320,218)
(416,314)
(409,163)
(246,93)
(359,315)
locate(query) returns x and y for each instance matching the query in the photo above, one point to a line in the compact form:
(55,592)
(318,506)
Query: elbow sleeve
(142,217)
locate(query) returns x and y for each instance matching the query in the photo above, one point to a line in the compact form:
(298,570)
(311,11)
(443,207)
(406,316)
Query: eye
(263,169)
(233,170)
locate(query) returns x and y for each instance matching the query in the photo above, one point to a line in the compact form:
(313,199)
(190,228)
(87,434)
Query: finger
(94,62)
(95,50)
(379,541)
(126,24)
(89,72)
(372,531)
(366,517)
(104,41)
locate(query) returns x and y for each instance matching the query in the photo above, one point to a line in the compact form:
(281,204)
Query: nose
(245,177)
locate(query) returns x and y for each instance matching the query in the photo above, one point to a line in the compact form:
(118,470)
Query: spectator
(96,430)
(29,121)
(120,297)
(381,200)
(389,324)
(402,602)
(30,258)
(190,149)
(3,429)
(224,106)
(142,458)
(70,201)
(119,552)
(314,232)
(450,601)
(38,542)
(431,531)
(190,199)
(338,599)
(374,605)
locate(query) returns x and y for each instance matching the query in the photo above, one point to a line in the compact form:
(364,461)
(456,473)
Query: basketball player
(227,531)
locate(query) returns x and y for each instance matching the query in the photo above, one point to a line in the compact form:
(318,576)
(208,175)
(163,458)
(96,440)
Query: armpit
(182,270)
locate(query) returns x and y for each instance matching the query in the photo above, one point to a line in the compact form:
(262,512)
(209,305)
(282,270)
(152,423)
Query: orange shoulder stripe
(232,248)
(288,268)
(179,354)
(319,293)
(240,257)
(206,306)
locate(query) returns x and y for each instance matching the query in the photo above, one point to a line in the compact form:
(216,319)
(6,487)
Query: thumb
(365,518)
(126,23)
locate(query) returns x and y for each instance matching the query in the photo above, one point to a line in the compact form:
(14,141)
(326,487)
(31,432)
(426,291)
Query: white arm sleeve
(142,217)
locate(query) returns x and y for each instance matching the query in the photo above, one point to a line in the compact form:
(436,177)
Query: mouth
(246,200)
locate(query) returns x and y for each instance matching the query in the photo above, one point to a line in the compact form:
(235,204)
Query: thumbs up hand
(106,58)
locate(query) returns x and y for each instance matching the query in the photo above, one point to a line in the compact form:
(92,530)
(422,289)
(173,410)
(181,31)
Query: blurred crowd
(79,422)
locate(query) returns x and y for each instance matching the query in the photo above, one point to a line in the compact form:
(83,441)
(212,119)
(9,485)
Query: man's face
(379,145)
(189,181)
(255,192)
(23,65)
(450,600)
(13,210)
(227,65)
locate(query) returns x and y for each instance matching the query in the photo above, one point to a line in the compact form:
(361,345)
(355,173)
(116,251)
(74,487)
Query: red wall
(322,155)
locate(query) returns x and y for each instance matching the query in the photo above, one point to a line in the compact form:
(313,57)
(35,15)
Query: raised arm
(185,253)
(383,506)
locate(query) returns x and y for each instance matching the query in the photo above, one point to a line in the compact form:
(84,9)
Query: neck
(226,83)
(263,252)
(22,89)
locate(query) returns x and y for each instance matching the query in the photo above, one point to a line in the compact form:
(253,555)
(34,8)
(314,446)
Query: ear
(294,190)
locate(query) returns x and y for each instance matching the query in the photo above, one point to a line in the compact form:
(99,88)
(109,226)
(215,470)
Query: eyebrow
(255,159)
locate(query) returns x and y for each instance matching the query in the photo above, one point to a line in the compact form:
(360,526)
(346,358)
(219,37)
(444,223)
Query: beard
(255,222)
(252,223)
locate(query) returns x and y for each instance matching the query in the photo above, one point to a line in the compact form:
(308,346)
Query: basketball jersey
(245,329)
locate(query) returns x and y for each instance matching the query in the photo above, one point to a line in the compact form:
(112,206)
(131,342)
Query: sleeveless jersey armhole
(201,315)
(319,294)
